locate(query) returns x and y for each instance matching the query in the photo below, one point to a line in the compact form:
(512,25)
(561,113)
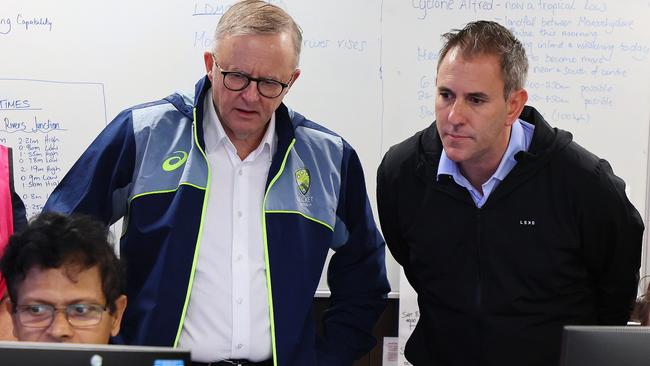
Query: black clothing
(20,217)
(556,243)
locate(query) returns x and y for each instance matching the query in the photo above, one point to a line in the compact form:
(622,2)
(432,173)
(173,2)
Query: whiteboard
(368,70)
(77,64)
(589,70)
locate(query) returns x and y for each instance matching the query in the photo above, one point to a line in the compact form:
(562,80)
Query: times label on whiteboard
(48,124)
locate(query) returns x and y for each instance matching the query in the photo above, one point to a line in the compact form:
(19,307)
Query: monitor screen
(605,346)
(59,354)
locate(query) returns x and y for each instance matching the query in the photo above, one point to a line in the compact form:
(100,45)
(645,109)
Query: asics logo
(175,161)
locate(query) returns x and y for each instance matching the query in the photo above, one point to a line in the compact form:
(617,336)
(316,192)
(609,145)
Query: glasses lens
(41,315)
(37,315)
(235,81)
(84,315)
(269,88)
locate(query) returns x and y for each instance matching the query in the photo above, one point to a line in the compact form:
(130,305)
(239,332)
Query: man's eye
(476,100)
(37,309)
(79,309)
(238,76)
(270,83)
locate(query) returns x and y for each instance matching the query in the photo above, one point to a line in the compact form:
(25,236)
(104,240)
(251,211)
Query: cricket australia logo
(303,180)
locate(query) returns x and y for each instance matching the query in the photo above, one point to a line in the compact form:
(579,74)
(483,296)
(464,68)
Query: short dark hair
(484,37)
(52,240)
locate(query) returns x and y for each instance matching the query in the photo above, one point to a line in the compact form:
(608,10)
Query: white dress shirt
(228,313)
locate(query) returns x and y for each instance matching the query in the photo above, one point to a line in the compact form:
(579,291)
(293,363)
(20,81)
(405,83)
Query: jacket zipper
(266,255)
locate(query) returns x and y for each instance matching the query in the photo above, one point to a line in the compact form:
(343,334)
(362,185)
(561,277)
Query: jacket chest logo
(175,161)
(527,222)
(303,180)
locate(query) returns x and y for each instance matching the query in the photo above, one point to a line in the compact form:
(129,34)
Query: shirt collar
(213,127)
(517,142)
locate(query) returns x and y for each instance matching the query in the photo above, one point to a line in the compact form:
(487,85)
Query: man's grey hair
(259,18)
(490,38)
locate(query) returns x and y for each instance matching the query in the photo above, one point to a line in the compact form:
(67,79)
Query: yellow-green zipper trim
(198,238)
(266,254)
(125,228)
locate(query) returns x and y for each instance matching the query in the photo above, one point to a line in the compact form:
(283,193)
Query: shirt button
(240,300)
(240,346)
(239,214)
(239,257)
(241,171)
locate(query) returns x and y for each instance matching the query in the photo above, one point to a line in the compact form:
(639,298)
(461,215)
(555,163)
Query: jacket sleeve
(356,274)
(20,213)
(98,183)
(387,197)
(612,232)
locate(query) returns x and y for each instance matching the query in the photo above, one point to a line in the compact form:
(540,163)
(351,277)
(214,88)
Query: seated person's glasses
(237,81)
(42,315)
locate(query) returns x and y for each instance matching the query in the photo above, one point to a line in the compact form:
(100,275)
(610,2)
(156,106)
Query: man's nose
(60,329)
(250,92)
(458,112)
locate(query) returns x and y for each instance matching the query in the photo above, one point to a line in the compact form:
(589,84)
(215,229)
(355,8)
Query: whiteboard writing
(24,23)
(588,70)
(368,69)
(41,121)
(140,51)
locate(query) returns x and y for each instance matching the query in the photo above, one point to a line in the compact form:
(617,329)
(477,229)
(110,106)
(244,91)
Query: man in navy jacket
(231,202)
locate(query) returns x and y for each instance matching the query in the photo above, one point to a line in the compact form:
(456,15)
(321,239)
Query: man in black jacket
(506,228)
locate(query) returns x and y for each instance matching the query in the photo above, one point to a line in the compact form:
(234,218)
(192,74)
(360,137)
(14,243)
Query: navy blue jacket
(149,166)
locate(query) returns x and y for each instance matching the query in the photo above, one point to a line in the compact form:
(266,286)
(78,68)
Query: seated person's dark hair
(52,240)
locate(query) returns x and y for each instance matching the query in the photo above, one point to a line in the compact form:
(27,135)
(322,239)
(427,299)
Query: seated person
(64,280)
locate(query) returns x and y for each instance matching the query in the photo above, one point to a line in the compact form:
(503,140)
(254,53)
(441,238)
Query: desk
(386,325)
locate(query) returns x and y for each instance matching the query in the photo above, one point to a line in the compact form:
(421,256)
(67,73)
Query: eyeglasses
(42,315)
(237,81)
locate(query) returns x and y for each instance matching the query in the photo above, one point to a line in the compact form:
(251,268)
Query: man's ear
(515,104)
(9,307)
(120,306)
(209,63)
(7,331)
(295,76)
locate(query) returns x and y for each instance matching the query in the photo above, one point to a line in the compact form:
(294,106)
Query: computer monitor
(605,346)
(67,354)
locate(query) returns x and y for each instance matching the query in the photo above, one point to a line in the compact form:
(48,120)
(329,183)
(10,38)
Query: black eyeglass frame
(66,310)
(249,79)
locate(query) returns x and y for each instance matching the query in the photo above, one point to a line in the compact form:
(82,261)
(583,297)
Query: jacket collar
(284,124)
(545,143)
